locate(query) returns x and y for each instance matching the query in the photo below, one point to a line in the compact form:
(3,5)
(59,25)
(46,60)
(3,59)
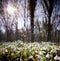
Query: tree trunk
(1,8)
(7,35)
(32,5)
(32,30)
(16,31)
(49,31)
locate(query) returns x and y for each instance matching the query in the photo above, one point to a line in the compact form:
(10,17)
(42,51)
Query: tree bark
(49,8)
(49,30)
(32,5)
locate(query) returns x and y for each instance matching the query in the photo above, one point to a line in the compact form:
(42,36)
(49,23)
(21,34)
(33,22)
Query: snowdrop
(57,58)
(36,51)
(30,56)
(38,56)
(15,49)
(53,50)
(40,50)
(41,53)
(6,50)
(48,56)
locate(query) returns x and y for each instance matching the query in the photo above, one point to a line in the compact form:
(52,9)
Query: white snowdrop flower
(6,47)
(59,58)
(14,49)
(47,56)
(30,50)
(56,57)
(36,51)
(38,56)
(20,42)
(19,48)
(30,57)
(6,50)
(59,47)
(54,50)
(29,46)
(44,48)
(3,52)
(33,48)
(17,52)
(12,54)
(41,53)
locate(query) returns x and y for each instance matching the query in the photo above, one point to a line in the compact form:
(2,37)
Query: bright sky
(20,23)
(39,13)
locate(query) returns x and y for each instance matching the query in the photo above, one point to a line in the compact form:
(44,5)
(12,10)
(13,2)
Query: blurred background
(30,20)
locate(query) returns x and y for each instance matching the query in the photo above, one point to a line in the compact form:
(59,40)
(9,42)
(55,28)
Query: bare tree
(55,23)
(48,8)
(32,5)
(37,29)
(1,7)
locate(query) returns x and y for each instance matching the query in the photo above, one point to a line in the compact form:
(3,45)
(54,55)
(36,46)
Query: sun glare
(11,10)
